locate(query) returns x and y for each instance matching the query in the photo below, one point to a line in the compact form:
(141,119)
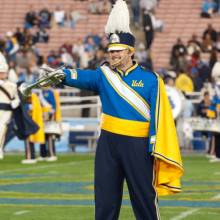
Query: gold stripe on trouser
(154,186)
(124,127)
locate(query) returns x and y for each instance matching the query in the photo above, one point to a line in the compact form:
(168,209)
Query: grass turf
(64,190)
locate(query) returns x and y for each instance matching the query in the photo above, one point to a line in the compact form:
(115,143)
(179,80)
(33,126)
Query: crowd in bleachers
(21,50)
(188,58)
(23,54)
(210,8)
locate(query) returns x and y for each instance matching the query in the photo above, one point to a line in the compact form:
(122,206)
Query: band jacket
(135,104)
(53,98)
(37,116)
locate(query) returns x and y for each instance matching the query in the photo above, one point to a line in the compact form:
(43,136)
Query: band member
(9,100)
(138,141)
(204,111)
(214,112)
(34,108)
(52,117)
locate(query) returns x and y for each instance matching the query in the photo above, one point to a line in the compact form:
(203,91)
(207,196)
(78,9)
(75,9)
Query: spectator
(98,59)
(216,71)
(95,37)
(141,54)
(207,9)
(67,46)
(184,83)
(90,46)
(42,36)
(66,58)
(178,59)
(11,45)
(210,31)
(193,45)
(135,8)
(158,25)
(148,5)
(44,18)
(197,80)
(31,18)
(217,44)
(213,58)
(2,45)
(194,61)
(75,16)
(25,59)
(204,105)
(209,38)
(19,36)
(29,36)
(104,6)
(148,29)
(59,16)
(103,42)
(143,57)
(93,7)
(53,58)
(204,71)
(217,5)
(79,51)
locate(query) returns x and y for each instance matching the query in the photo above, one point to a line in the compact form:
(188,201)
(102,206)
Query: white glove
(15,103)
(47,68)
(56,75)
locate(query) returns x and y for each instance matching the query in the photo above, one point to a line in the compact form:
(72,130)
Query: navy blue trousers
(120,158)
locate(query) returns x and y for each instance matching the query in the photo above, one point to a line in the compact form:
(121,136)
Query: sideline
(21,212)
(216,196)
(44,166)
(184,214)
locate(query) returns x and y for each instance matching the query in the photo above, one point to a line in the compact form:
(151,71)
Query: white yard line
(216,196)
(21,212)
(183,215)
(43,167)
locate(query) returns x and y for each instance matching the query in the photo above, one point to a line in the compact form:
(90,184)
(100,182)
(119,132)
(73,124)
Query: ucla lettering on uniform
(73,74)
(136,83)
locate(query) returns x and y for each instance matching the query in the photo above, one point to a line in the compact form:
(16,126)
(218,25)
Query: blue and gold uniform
(52,115)
(213,113)
(138,133)
(138,141)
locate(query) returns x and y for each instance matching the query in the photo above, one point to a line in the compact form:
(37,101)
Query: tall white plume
(119,19)
(3,64)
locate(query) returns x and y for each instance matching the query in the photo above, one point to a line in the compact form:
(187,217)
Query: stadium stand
(13,12)
(182,19)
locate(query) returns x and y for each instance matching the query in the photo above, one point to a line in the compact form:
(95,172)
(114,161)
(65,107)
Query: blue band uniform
(124,116)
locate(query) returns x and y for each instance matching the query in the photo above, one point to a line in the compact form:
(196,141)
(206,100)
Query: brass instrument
(50,77)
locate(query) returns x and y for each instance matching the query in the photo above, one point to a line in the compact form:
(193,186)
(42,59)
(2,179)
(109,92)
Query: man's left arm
(153,103)
(83,79)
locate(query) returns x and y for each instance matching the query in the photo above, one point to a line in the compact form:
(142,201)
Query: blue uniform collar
(135,64)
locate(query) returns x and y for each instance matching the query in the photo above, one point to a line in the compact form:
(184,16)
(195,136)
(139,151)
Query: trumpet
(50,77)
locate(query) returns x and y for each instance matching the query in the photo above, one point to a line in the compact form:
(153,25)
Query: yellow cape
(58,117)
(37,116)
(168,162)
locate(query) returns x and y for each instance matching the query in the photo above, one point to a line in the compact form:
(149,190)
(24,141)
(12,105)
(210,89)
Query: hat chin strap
(114,65)
(119,62)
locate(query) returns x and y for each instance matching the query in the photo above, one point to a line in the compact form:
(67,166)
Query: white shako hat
(118,28)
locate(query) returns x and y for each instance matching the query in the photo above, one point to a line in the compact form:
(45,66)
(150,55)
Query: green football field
(63,190)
